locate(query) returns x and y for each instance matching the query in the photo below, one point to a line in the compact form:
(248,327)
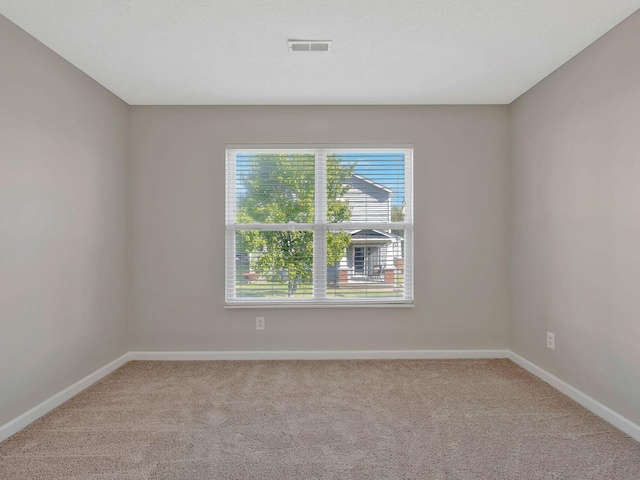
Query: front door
(359,255)
(364,259)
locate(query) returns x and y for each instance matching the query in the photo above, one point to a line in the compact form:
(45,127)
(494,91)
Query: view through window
(319,226)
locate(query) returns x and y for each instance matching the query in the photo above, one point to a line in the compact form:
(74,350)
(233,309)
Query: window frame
(319,227)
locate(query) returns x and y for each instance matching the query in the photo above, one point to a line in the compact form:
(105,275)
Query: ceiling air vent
(309,45)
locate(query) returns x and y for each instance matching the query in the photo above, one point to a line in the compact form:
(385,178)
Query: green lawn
(274,289)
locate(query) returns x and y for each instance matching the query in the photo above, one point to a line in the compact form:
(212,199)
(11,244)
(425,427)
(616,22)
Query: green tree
(397,215)
(280,188)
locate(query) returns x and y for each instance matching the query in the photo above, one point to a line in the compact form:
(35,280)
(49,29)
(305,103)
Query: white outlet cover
(551,340)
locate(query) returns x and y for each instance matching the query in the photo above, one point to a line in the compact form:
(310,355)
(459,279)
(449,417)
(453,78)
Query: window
(319,226)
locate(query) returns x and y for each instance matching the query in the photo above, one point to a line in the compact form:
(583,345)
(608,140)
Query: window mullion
(408,263)
(320,232)
(409,244)
(230,220)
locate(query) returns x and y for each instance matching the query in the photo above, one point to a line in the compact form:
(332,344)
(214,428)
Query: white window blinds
(319,226)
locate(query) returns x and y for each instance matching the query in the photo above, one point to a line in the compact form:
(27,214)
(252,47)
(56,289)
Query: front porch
(381,276)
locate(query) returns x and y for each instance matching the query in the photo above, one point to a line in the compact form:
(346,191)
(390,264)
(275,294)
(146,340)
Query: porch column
(390,275)
(343,275)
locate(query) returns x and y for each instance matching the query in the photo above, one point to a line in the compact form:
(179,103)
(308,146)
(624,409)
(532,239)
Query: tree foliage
(397,215)
(280,188)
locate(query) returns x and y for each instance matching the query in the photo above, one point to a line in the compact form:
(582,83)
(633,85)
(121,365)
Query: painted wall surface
(527,221)
(63,223)
(575,218)
(178,174)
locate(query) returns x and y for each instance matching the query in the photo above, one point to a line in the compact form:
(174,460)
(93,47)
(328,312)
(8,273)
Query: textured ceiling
(234,52)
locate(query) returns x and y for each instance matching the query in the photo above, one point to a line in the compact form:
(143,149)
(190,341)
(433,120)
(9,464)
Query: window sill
(241,305)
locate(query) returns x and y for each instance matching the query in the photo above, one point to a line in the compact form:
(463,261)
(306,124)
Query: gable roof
(371,182)
(373,235)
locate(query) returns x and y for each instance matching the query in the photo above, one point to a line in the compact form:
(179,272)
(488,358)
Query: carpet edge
(21,421)
(614,418)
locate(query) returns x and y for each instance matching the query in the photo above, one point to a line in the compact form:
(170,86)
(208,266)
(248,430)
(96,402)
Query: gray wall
(460,228)
(550,182)
(575,218)
(63,223)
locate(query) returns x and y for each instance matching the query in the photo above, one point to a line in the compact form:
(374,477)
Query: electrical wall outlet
(551,340)
(259,323)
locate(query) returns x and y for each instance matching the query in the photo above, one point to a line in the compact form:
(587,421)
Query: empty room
(304,239)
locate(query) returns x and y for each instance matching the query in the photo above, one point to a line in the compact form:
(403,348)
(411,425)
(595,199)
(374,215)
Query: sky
(383,168)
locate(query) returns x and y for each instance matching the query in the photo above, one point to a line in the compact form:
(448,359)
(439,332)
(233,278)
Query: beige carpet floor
(418,419)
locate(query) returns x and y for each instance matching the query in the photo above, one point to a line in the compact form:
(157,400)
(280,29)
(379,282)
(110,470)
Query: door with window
(365,258)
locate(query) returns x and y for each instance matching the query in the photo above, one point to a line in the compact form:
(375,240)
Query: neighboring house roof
(370,235)
(377,185)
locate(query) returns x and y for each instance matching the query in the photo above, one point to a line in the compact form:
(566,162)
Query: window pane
(370,264)
(271,193)
(274,264)
(365,187)
(274,188)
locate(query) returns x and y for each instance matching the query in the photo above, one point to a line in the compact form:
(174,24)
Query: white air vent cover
(309,45)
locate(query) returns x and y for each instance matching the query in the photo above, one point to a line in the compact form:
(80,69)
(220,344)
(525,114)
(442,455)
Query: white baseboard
(320,355)
(617,420)
(59,398)
(52,402)
(604,412)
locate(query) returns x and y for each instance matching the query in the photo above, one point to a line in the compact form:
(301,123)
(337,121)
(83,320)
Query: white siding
(368,202)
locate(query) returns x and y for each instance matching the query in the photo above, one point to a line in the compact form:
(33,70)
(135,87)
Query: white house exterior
(372,256)
(372,252)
